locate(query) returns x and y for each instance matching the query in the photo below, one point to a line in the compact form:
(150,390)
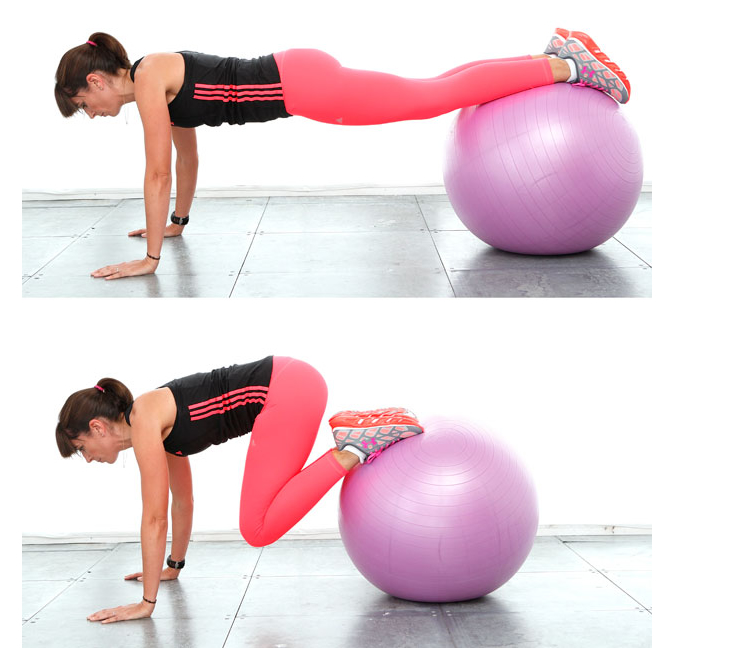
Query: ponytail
(100,53)
(107,400)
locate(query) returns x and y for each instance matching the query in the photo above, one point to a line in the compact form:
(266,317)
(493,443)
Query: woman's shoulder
(162,69)
(157,403)
(159,61)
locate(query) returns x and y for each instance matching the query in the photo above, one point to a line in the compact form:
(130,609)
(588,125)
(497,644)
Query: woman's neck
(124,86)
(124,432)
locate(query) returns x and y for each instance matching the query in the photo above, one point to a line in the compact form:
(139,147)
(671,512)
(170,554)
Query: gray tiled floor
(571,592)
(340,246)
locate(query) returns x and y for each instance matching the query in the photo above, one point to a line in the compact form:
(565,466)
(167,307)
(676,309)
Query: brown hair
(107,56)
(81,407)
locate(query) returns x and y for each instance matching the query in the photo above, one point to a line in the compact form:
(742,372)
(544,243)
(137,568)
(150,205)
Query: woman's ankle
(346,459)
(560,70)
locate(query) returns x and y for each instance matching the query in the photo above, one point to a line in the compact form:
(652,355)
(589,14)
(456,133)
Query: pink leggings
(276,491)
(316,86)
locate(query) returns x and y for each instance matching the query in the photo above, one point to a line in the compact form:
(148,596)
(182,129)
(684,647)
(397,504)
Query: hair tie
(91,43)
(98,387)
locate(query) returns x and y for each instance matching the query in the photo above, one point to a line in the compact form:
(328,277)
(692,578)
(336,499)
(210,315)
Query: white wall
(415,38)
(571,393)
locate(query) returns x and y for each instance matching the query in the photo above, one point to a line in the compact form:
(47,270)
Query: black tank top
(213,407)
(227,90)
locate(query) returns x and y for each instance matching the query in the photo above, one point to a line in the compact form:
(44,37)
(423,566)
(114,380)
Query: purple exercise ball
(548,171)
(444,516)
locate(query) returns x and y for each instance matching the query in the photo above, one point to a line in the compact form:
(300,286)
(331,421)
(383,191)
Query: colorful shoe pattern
(557,41)
(595,69)
(373,431)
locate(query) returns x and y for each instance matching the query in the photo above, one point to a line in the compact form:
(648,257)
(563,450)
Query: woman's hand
(167,574)
(172,230)
(126,269)
(124,613)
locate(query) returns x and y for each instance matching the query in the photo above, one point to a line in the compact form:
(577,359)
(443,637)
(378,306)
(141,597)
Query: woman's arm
(186,166)
(181,484)
(150,96)
(147,418)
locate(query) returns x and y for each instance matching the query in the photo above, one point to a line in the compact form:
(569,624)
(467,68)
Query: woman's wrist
(180,221)
(175,564)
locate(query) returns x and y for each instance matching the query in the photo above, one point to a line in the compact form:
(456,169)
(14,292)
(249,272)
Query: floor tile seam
(30,581)
(437,250)
(254,234)
(377,199)
(364,231)
(74,240)
(349,615)
(65,548)
(242,599)
(27,237)
(424,268)
(637,607)
(629,595)
(548,571)
(213,233)
(447,619)
(70,582)
(183,579)
(632,251)
(352,574)
(105,552)
(605,576)
(112,210)
(515,611)
(551,271)
(176,274)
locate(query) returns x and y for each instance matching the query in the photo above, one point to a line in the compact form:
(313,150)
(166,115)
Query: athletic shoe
(557,41)
(373,431)
(595,69)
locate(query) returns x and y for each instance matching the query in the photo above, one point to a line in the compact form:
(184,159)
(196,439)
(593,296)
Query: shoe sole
(362,419)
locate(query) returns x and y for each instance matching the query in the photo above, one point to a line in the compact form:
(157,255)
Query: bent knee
(257,538)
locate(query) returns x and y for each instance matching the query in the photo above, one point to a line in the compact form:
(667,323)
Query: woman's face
(99,444)
(99,99)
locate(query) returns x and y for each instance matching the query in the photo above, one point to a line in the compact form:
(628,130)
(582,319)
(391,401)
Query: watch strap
(175,565)
(180,221)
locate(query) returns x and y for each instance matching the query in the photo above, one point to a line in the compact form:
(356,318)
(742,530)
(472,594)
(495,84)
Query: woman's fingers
(135,576)
(105,271)
(126,269)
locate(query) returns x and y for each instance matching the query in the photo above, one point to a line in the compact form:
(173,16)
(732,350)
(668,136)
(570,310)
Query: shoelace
(375,454)
(591,74)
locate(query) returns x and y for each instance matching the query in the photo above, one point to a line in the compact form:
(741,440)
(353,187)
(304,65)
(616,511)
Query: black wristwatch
(180,221)
(175,565)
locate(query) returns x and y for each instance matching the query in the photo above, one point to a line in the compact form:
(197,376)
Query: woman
(280,399)
(176,92)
